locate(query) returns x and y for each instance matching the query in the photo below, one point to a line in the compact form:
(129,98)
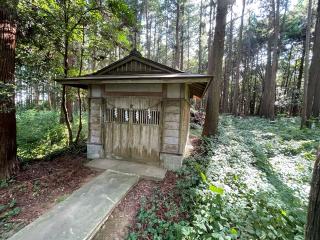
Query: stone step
(142,170)
(80,216)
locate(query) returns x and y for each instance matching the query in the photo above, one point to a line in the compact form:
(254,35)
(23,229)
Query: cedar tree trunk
(215,68)
(306,68)
(177,36)
(235,105)
(8,146)
(314,74)
(269,87)
(227,68)
(313,220)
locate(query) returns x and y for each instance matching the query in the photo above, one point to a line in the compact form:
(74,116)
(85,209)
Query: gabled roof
(134,63)
(136,69)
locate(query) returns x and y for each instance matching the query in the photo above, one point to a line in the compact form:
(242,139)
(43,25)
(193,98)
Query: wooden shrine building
(139,110)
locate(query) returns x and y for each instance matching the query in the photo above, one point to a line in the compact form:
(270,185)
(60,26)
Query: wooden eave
(139,78)
(136,69)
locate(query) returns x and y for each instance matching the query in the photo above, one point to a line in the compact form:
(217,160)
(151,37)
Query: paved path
(142,170)
(83,212)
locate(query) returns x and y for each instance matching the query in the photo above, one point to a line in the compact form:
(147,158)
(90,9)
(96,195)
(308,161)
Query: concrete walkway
(83,212)
(142,170)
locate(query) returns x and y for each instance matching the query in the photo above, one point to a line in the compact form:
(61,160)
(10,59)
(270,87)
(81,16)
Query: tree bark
(269,88)
(64,109)
(304,115)
(287,74)
(8,145)
(212,5)
(254,96)
(215,68)
(80,117)
(296,94)
(227,67)
(188,41)
(79,91)
(177,37)
(314,77)
(291,88)
(68,101)
(167,33)
(64,104)
(313,219)
(182,37)
(316,99)
(154,49)
(148,40)
(244,109)
(200,42)
(238,61)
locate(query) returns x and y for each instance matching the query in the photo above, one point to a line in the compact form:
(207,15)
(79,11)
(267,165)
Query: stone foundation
(94,151)
(171,162)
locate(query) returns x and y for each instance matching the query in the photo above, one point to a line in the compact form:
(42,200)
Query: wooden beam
(151,94)
(133,81)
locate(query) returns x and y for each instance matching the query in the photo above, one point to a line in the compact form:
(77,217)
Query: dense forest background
(175,33)
(258,53)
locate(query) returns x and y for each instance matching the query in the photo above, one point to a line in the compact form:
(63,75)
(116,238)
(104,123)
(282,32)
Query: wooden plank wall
(130,141)
(140,142)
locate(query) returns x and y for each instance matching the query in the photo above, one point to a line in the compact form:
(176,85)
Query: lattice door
(132,129)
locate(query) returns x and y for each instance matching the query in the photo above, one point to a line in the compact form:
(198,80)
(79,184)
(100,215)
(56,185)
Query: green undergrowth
(7,211)
(40,135)
(251,182)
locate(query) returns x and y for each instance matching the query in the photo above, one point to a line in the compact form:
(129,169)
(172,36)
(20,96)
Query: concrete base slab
(83,212)
(142,170)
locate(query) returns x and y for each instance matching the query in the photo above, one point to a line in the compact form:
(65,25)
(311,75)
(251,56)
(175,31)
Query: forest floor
(250,182)
(123,217)
(37,187)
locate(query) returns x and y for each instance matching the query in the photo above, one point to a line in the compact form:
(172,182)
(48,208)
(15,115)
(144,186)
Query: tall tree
(306,67)
(188,39)
(212,6)
(269,86)
(177,36)
(167,31)
(227,66)
(313,91)
(313,219)
(296,93)
(215,69)
(65,102)
(8,37)
(79,90)
(182,32)
(238,61)
(200,39)
(148,28)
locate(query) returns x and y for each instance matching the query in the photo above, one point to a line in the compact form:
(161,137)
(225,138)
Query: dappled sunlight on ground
(249,182)
(254,156)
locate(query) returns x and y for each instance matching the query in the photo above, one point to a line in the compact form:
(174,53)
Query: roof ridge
(150,66)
